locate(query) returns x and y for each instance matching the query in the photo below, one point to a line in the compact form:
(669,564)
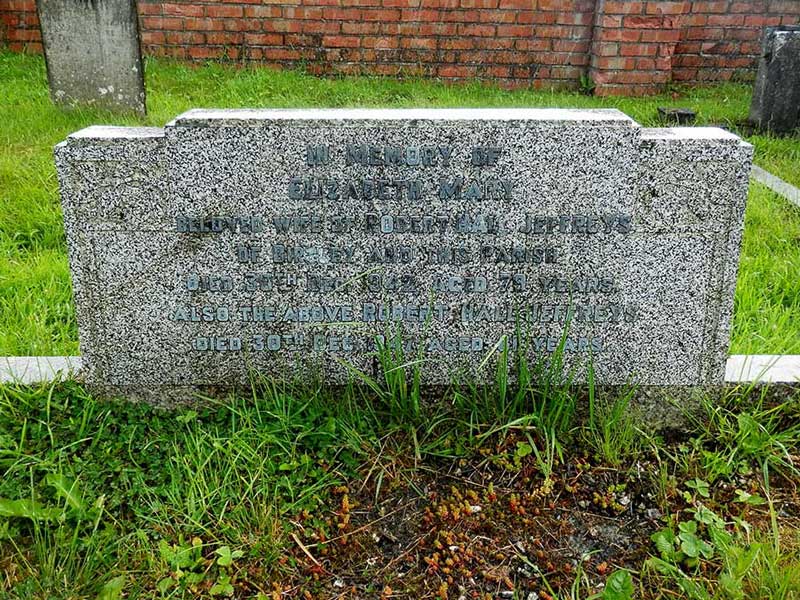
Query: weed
(736,566)
(610,430)
(736,434)
(294,487)
(587,85)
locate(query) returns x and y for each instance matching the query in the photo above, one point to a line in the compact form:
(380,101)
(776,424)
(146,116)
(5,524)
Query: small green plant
(185,562)
(191,571)
(693,540)
(610,498)
(706,557)
(225,560)
(700,487)
(112,589)
(748,498)
(72,547)
(739,436)
(619,586)
(587,85)
(610,430)
(682,548)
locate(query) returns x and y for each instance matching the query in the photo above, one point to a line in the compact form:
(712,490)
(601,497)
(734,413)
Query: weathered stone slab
(740,368)
(92,53)
(29,370)
(763,368)
(287,242)
(777,185)
(776,96)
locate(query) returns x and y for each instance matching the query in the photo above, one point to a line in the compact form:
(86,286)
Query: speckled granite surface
(284,241)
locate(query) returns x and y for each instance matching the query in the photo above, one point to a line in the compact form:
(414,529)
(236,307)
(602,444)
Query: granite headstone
(92,53)
(303,242)
(776,95)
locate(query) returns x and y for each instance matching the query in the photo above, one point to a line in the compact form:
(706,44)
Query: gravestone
(304,242)
(92,52)
(678,116)
(776,96)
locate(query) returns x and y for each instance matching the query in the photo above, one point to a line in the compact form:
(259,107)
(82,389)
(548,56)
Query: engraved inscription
(439,250)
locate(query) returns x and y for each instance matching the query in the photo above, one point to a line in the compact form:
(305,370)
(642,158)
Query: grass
(378,490)
(36,314)
(303,491)
(767,301)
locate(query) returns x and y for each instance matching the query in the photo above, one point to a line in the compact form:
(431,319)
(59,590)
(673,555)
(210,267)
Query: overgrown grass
(36,314)
(767,301)
(299,491)
(228,475)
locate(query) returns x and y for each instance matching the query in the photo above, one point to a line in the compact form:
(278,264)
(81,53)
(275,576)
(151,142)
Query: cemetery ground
(532,490)
(374,491)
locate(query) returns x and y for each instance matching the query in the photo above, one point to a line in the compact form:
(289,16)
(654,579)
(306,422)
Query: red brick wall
(19,25)
(625,46)
(634,44)
(500,39)
(722,39)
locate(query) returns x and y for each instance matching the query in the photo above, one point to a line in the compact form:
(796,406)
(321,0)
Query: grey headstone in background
(92,53)
(776,96)
(679,116)
(286,242)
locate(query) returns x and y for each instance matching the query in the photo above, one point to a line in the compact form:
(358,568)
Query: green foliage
(778,154)
(29,509)
(524,394)
(396,386)
(743,568)
(686,546)
(610,430)
(767,300)
(194,498)
(737,434)
(223,473)
(395,396)
(587,84)
(619,586)
(36,310)
(700,486)
(67,490)
(748,498)
(190,571)
(226,556)
(112,590)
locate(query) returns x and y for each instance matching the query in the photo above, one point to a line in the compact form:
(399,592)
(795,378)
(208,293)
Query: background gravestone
(92,53)
(776,97)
